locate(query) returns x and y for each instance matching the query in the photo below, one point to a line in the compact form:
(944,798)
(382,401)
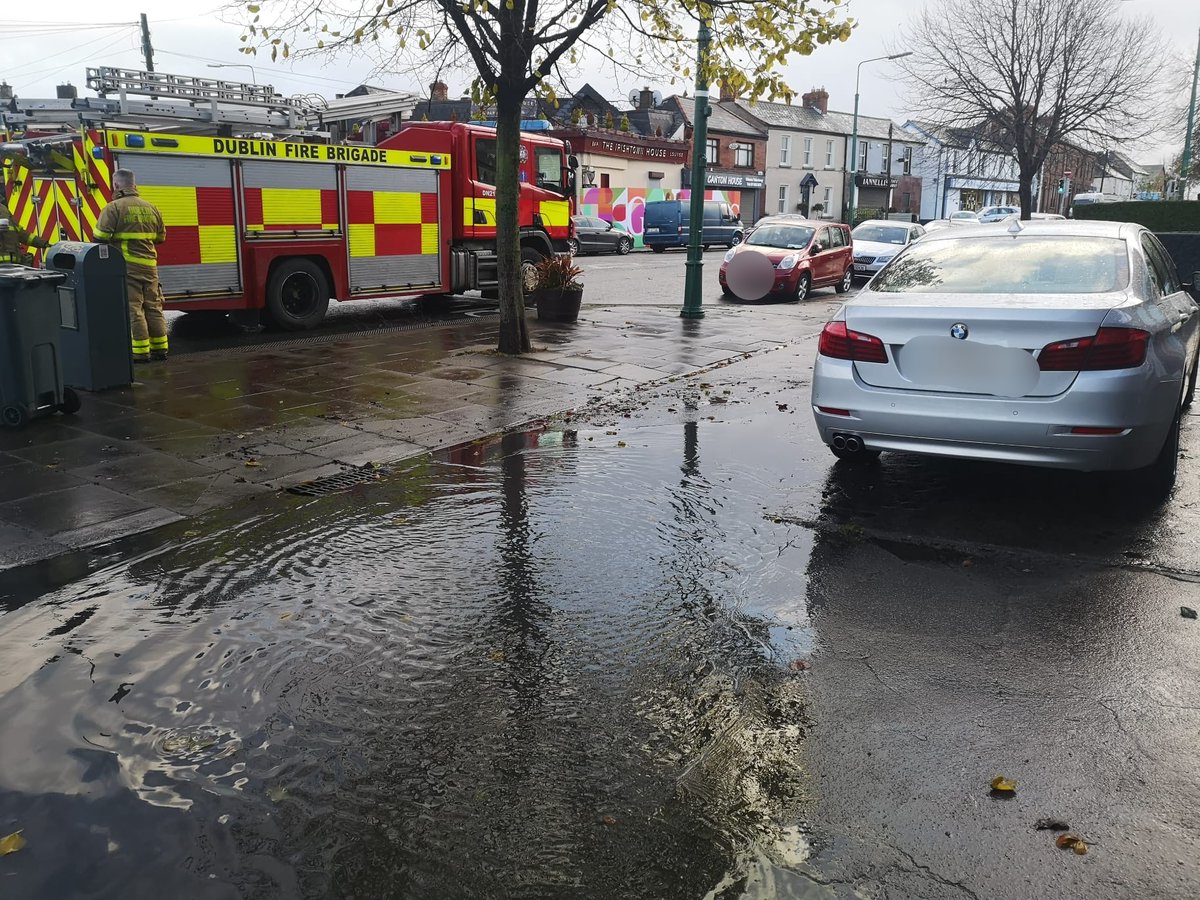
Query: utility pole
(693,289)
(1191,125)
(147,47)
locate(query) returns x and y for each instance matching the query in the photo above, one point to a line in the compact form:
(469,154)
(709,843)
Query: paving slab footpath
(208,429)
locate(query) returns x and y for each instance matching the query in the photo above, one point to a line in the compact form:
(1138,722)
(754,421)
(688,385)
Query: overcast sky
(33,58)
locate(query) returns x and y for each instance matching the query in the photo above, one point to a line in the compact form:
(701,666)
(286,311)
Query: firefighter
(134,226)
(13,238)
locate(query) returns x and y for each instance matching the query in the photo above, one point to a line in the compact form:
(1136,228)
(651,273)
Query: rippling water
(546,666)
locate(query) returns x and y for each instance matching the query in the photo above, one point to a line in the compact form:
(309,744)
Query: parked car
(787,259)
(996,213)
(935,224)
(877,241)
(1035,217)
(773,217)
(596,235)
(666,224)
(1067,344)
(960,216)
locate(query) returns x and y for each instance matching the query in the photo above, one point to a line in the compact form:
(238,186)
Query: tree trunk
(1025,191)
(514,336)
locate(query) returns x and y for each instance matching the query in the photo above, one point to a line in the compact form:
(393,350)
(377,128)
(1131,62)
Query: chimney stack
(5,90)
(727,92)
(439,92)
(818,99)
(66,91)
(646,98)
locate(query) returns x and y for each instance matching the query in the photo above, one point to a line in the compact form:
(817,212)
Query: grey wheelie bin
(31,380)
(94,315)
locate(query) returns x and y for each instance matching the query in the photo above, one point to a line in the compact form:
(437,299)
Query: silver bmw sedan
(1068,344)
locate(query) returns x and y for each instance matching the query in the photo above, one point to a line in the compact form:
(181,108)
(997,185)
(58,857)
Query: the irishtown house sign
(670,152)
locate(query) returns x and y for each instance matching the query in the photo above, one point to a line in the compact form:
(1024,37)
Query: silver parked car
(877,241)
(1064,344)
(996,213)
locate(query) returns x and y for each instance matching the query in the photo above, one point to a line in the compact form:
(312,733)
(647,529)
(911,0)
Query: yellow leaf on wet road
(11,843)
(1002,784)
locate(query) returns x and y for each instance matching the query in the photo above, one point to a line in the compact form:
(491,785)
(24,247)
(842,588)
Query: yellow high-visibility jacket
(133,226)
(14,238)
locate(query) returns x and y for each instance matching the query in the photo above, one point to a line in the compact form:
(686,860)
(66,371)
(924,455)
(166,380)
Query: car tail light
(840,342)
(833,411)
(1108,348)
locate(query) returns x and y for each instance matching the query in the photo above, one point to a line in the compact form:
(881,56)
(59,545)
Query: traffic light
(1062,185)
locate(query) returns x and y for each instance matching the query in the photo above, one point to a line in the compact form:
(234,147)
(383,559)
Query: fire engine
(255,223)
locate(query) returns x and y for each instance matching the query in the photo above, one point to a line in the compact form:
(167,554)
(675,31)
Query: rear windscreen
(1024,264)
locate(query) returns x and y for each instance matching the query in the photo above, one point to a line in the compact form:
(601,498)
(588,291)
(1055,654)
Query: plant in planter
(559,292)
(818,208)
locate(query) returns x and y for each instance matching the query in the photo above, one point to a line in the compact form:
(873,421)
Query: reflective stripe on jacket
(134,226)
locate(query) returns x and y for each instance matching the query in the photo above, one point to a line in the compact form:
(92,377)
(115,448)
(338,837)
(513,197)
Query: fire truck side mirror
(572,162)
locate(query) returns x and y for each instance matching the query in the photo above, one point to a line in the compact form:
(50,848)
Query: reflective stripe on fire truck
(394,230)
(248,148)
(195,197)
(283,197)
(555,213)
(479,211)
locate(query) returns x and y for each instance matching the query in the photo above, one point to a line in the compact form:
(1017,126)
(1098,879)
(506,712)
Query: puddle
(551,664)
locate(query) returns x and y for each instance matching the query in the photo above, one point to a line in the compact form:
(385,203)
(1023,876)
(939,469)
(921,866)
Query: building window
(886,166)
(783,198)
(603,179)
(743,157)
(785,150)
(908,160)
(808,151)
(826,200)
(864,147)
(829,154)
(712,150)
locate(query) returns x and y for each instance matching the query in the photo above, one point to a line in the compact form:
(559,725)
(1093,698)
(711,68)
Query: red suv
(787,258)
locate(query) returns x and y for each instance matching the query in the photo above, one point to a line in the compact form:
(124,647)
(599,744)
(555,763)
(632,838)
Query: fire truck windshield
(549,168)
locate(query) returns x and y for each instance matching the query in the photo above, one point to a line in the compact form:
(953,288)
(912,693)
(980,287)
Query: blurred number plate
(967,366)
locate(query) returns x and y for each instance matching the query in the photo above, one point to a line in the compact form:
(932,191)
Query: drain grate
(337,483)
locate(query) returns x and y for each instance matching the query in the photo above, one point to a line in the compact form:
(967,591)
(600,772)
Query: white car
(964,216)
(877,241)
(996,213)
(1069,345)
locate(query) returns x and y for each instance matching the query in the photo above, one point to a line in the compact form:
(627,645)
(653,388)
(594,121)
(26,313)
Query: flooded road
(665,649)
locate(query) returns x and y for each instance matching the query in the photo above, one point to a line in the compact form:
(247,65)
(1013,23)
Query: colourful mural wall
(624,206)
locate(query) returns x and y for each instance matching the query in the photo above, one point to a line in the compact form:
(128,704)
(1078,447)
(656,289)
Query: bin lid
(12,275)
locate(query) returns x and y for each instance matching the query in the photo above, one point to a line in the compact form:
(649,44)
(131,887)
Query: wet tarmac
(663,648)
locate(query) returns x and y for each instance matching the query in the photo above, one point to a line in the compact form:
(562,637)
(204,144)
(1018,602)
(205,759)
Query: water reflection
(535,666)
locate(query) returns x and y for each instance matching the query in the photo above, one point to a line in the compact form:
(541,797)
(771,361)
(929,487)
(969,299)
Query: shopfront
(749,187)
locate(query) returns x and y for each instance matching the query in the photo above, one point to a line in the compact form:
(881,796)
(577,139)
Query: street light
(253,75)
(854,133)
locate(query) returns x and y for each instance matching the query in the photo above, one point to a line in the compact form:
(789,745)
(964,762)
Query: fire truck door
(395,236)
(195,197)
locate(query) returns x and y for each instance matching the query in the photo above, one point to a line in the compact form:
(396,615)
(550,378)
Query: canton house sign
(750,182)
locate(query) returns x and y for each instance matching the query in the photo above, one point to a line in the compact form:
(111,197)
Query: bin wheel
(297,295)
(14,416)
(71,402)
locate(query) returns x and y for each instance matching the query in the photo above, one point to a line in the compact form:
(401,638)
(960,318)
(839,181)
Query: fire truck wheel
(297,295)
(529,260)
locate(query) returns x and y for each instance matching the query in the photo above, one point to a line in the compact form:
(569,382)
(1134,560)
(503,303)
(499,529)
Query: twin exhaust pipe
(848,442)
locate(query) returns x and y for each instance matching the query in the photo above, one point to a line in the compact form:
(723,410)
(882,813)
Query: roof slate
(804,118)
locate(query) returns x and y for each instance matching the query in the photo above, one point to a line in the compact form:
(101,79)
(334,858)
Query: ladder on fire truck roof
(173,101)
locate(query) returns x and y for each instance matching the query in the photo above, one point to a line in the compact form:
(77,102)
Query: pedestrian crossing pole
(693,289)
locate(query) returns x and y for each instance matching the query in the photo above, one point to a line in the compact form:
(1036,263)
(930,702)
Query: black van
(666,222)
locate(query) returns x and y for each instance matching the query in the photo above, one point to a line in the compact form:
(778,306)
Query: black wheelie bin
(31,379)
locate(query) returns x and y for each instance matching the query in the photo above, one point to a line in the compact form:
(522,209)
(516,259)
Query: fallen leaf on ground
(967,563)
(285,616)
(1002,784)
(608,820)
(620,443)
(782,407)
(252,463)
(496,656)
(400,520)
(1050,824)
(277,794)
(1072,842)
(1187,612)
(11,843)
(799,665)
